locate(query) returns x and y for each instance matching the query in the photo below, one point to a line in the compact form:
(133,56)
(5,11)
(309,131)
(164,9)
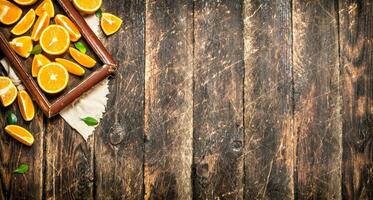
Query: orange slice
(8,92)
(110,23)
(25,23)
(20,134)
(38,62)
(26,107)
(55,40)
(25,2)
(69,26)
(9,13)
(87,6)
(71,66)
(41,24)
(22,46)
(82,58)
(53,78)
(45,6)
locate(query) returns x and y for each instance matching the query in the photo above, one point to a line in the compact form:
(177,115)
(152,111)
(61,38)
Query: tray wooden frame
(52,108)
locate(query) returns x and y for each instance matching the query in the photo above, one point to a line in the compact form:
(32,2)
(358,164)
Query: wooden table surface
(218,99)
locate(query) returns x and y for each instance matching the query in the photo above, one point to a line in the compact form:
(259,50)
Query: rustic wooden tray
(53,104)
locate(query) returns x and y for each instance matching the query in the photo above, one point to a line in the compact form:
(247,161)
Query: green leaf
(90,121)
(80,46)
(36,50)
(11,118)
(21,169)
(99,13)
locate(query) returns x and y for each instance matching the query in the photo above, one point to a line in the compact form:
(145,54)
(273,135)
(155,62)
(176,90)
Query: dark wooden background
(223,99)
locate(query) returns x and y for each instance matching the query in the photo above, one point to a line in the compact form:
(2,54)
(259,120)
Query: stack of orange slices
(52,68)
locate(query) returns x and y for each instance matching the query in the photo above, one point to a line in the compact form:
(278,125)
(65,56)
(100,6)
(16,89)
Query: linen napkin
(92,103)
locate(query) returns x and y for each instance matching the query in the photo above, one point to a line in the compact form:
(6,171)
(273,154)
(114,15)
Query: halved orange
(38,62)
(20,134)
(41,24)
(45,6)
(8,91)
(25,23)
(69,26)
(87,6)
(110,23)
(55,40)
(82,58)
(53,78)
(25,2)
(22,46)
(26,107)
(71,66)
(9,13)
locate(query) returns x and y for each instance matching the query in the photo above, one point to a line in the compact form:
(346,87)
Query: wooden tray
(53,104)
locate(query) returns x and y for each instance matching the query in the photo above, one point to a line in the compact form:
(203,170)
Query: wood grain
(269,148)
(317,100)
(218,100)
(13,154)
(119,145)
(69,169)
(356,47)
(168,99)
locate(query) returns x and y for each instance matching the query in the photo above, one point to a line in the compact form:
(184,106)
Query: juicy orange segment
(69,26)
(22,46)
(20,134)
(41,24)
(55,40)
(38,62)
(9,13)
(71,66)
(53,78)
(25,2)
(87,6)
(25,23)
(82,58)
(45,6)
(110,23)
(8,92)
(26,107)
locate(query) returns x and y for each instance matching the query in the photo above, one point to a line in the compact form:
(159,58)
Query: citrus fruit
(41,23)
(69,26)
(25,23)
(25,2)
(87,6)
(53,78)
(20,134)
(110,23)
(82,58)
(55,40)
(8,91)
(22,46)
(26,107)
(71,66)
(39,61)
(45,6)
(9,13)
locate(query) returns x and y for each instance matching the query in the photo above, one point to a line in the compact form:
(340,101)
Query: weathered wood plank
(218,99)
(317,100)
(356,57)
(69,169)
(13,154)
(269,148)
(169,99)
(119,145)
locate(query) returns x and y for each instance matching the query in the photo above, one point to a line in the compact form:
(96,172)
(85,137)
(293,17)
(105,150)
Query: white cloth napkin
(92,103)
